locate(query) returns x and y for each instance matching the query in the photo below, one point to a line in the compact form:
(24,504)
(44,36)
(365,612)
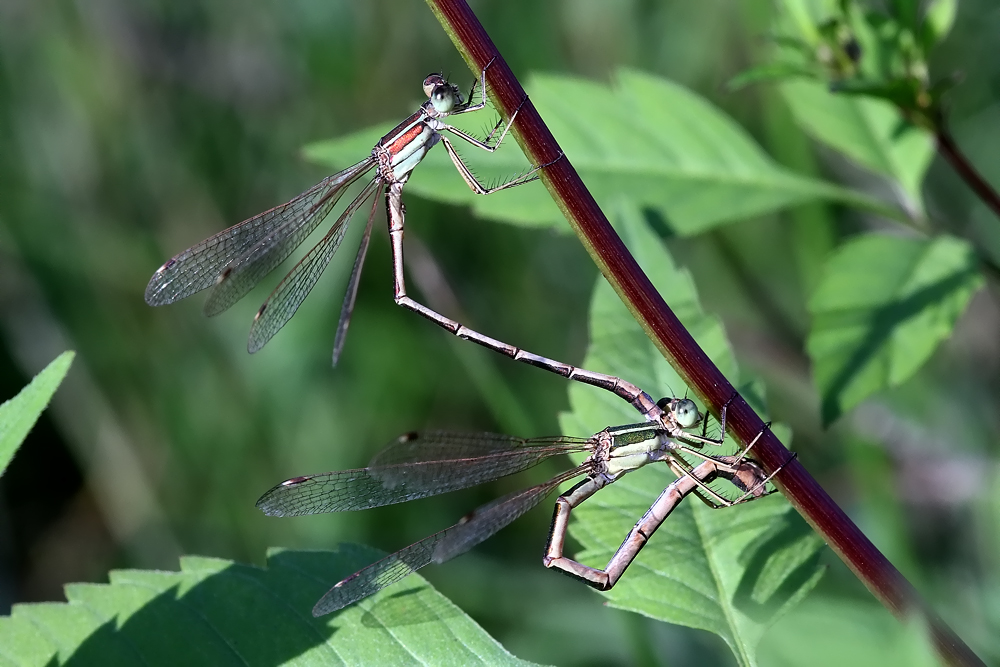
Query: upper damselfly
(236,259)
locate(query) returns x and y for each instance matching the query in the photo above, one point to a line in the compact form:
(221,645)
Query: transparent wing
(459,446)
(351,295)
(295,287)
(200,266)
(415,467)
(439,547)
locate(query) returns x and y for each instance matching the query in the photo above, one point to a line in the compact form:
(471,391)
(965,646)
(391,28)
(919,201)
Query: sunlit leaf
(868,131)
(217,612)
(646,138)
(731,571)
(938,20)
(20,413)
(883,305)
(827,632)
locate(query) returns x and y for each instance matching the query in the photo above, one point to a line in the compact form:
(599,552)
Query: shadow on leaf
(882,322)
(777,571)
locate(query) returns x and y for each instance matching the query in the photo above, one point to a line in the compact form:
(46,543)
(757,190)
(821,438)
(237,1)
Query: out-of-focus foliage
(217,612)
(131,130)
(19,414)
(866,130)
(730,571)
(861,48)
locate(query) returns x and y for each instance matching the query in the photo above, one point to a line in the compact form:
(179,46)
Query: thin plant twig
(673,340)
(950,151)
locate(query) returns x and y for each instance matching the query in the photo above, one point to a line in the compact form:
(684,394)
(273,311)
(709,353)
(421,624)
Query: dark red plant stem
(673,340)
(950,151)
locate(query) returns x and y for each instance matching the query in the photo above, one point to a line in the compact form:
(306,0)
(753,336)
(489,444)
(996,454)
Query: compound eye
(443,98)
(431,82)
(686,413)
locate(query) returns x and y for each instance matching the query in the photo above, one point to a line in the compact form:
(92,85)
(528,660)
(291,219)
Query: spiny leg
(735,467)
(703,492)
(484,144)
(478,187)
(626,390)
(482,87)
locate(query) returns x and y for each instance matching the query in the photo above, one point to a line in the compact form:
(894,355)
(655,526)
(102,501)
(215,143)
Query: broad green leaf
(646,138)
(883,305)
(731,571)
(20,413)
(827,632)
(939,18)
(869,131)
(217,612)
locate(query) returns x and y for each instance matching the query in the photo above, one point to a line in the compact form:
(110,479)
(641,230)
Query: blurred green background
(131,130)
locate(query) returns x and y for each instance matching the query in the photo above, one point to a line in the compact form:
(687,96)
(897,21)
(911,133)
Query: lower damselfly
(422,465)
(236,259)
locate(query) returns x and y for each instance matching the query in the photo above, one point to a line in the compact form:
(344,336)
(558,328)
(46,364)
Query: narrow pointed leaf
(20,413)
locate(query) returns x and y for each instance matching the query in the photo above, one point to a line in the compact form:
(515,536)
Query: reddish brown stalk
(673,340)
(949,150)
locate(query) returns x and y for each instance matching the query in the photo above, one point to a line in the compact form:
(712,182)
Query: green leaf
(883,305)
(731,571)
(827,632)
(20,413)
(648,139)
(769,72)
(938,20)
(867,131)
(217,612)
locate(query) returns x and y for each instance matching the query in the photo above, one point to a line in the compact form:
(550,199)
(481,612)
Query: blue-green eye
(443,99)
(686,413)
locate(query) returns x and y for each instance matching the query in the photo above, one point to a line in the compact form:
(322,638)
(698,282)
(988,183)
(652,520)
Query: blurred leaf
(647,138)
(217,612)
(827,632)
(805,17)
(939,18)
(732,571)
(907,13)
(778,71)
(867,131)
(881,309)
(20,413)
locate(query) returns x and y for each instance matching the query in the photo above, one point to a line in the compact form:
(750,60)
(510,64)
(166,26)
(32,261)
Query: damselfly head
(432,81)
(683,410)
(443,96)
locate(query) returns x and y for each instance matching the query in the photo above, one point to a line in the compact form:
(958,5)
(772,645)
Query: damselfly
(418,466)
(238,258)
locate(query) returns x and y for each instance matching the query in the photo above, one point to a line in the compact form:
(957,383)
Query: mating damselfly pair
(235,260)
